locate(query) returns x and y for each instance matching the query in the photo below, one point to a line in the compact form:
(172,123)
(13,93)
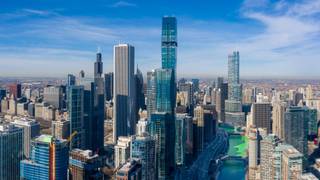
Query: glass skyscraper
(162,129)
(49,159)
(76,114)
(165,88)
(233,77)
(11,150)
(151,93)
(169,43)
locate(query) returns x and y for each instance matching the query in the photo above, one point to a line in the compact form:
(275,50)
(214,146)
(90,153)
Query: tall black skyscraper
(99,106)
(139,90)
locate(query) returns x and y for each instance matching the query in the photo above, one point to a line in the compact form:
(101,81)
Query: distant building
(291,164)
(278,117)
(151,93)
(83,165)
(49,159)
(15,90)
(54,96)
(11,151)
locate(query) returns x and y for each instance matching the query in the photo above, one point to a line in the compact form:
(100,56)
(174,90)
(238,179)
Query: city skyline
(275,39)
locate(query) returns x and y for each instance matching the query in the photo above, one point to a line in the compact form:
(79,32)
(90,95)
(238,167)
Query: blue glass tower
(165,91)
(169,43)
(49,160)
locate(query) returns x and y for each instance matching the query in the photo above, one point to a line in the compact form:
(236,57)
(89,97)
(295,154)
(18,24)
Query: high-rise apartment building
(139,89)
(292,161)
(11,150)
(169,43)
(165,91)
(61,129)
(124,91)
(49,159)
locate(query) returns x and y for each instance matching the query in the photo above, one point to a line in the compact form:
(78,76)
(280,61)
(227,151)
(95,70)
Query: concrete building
(122,151)
(261,116)
(61,129)
(130,170)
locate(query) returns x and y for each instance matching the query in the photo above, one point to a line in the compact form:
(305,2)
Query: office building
(296,127)
(49,159)
(143,150)
(130,170)
(125,116)
(278,117)
(96,126)
(261,116)
(83,165)
(71,80)
(122,151)
(3,93)
(161,129)
(53,95)
(15,90)
(31,129)
(108,82)
(11,150)
(76,114)
(195,83)
(253,153)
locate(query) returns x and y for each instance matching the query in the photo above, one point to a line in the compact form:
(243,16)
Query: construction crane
(71,136)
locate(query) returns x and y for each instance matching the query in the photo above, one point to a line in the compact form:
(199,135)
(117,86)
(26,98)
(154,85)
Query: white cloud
(123,4)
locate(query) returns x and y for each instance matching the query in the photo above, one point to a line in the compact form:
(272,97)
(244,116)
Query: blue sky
(276,38)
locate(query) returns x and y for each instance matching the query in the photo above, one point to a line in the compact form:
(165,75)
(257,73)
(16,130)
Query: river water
(234,169)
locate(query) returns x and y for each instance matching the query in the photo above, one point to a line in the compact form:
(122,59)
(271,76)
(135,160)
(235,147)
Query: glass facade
(165,87)
(162,129)
(169,43)
(11,151)
(49,160)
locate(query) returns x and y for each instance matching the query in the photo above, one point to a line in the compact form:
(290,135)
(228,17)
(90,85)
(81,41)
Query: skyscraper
(97,124)
(162,124)
(292,161)
(49,159)
(165,88)
(234,77)
(278,112)
(296,127)
(234,114)
(15,90)
(169,43)
(75,111)
(11,150)
(124,94)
